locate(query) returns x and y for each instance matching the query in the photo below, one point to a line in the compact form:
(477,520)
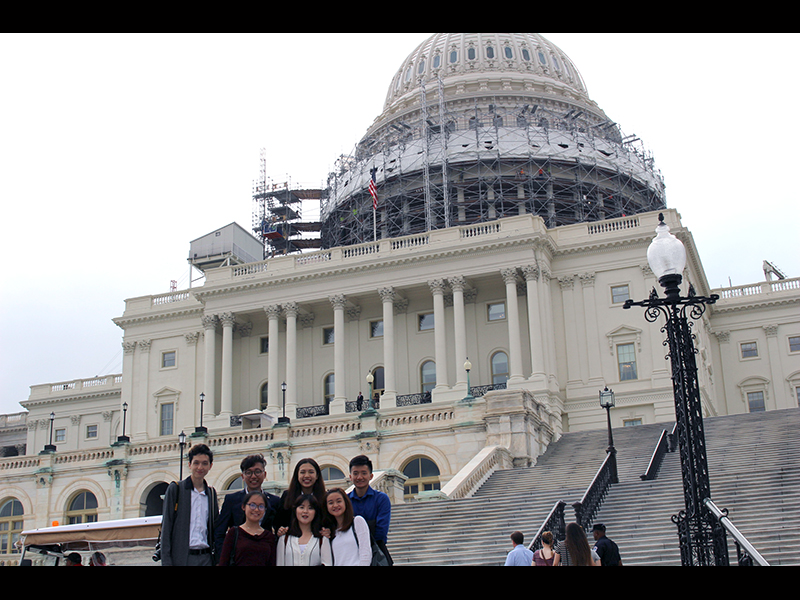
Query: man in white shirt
(190,512)
(520,556)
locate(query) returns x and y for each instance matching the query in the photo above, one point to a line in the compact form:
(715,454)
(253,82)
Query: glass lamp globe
(666,255)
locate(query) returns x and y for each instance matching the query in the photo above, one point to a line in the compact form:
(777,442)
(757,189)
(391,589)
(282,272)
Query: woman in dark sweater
(249,544)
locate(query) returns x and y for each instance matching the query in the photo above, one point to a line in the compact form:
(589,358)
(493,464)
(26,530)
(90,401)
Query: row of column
(541,339)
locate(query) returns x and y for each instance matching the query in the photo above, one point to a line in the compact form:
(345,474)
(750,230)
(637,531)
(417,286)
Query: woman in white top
(304,545)
(351,545)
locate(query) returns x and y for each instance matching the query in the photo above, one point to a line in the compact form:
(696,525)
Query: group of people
(307,526)
(573,551)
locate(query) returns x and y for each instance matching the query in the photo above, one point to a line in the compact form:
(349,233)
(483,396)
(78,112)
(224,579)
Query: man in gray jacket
(189,515)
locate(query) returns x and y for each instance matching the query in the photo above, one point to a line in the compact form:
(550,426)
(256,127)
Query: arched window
(264,401)
(379,381)
(428,376)
(499,368)
(82,509)
(11,525)
(330,473)
(329,389)
(423,476)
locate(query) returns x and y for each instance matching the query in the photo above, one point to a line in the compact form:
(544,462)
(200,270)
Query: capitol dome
(480,126)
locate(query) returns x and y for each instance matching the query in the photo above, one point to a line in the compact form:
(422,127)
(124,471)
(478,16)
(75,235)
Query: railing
(662,447)
(587,508)
(554,523)
(747,555)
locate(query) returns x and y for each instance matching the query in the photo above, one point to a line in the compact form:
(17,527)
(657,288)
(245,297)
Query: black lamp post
(182,444)
(608,401)
(371,401)
(123,437)
(201,429)
(50,448)
(284,419)
(702,539)
(468,368)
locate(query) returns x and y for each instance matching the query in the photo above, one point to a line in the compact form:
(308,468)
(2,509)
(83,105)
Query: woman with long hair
(544,557)
(574,551)
(350,541)
(249,544)
(304,545)
(307,479)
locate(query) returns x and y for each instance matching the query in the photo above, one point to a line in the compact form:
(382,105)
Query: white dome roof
(496,62)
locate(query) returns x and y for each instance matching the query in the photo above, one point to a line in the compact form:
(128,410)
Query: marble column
(440,332)
(389,367)
(532,273)
(339,303)
(228,321)
(514,337)
(290,310)
(458,285)
(210,374)
(274,396)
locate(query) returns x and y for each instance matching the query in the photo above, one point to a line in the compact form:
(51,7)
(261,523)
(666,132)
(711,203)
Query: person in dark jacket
(254,472)
(607,550)
(190,514)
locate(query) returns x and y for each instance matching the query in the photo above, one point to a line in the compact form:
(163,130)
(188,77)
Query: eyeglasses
(258,507)
(257,473)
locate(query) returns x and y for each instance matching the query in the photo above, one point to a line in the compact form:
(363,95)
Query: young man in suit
(190,515)
(254,472)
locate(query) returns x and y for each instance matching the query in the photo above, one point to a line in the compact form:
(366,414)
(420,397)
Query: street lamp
(50,448)
(702,539)
(123,437)
(201,429)
(284,419)
(608,401)
(182,444)
(468,368)
(370,381)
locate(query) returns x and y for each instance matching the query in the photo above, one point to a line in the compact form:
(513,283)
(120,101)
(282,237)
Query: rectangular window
(376,329)
(327,335)
(620,294)
(797,393)
(168,359)
(794,343)
(749,350)
(626,358)
(497,312)
(91,432)
(426,322)
(755,401)
(61,435)
(632,423)
(167,419)
(264,345)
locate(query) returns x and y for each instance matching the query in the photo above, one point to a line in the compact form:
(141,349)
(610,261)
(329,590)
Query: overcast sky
(117,150)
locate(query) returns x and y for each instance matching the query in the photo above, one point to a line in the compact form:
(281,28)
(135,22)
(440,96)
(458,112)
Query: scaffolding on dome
(278,215)
(443,169)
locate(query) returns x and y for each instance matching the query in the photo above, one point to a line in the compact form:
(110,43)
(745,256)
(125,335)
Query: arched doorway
(423,476)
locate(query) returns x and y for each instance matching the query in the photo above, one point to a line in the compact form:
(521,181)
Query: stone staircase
(754,462)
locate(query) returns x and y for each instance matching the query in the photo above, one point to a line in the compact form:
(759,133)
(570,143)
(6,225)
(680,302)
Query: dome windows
(490,52)
(453,57)
(526,55)
(471,54)
(509,52)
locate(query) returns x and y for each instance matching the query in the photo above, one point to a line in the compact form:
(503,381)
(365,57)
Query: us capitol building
(477,297)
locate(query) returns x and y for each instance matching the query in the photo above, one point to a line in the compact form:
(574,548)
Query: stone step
(754,465)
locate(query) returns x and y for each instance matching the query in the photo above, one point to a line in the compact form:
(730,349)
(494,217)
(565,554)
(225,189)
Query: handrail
(745,550)
(662,447)
(554,522)
(587,508)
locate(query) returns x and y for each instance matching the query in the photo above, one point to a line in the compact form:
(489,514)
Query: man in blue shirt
(520,556)
(374,506)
